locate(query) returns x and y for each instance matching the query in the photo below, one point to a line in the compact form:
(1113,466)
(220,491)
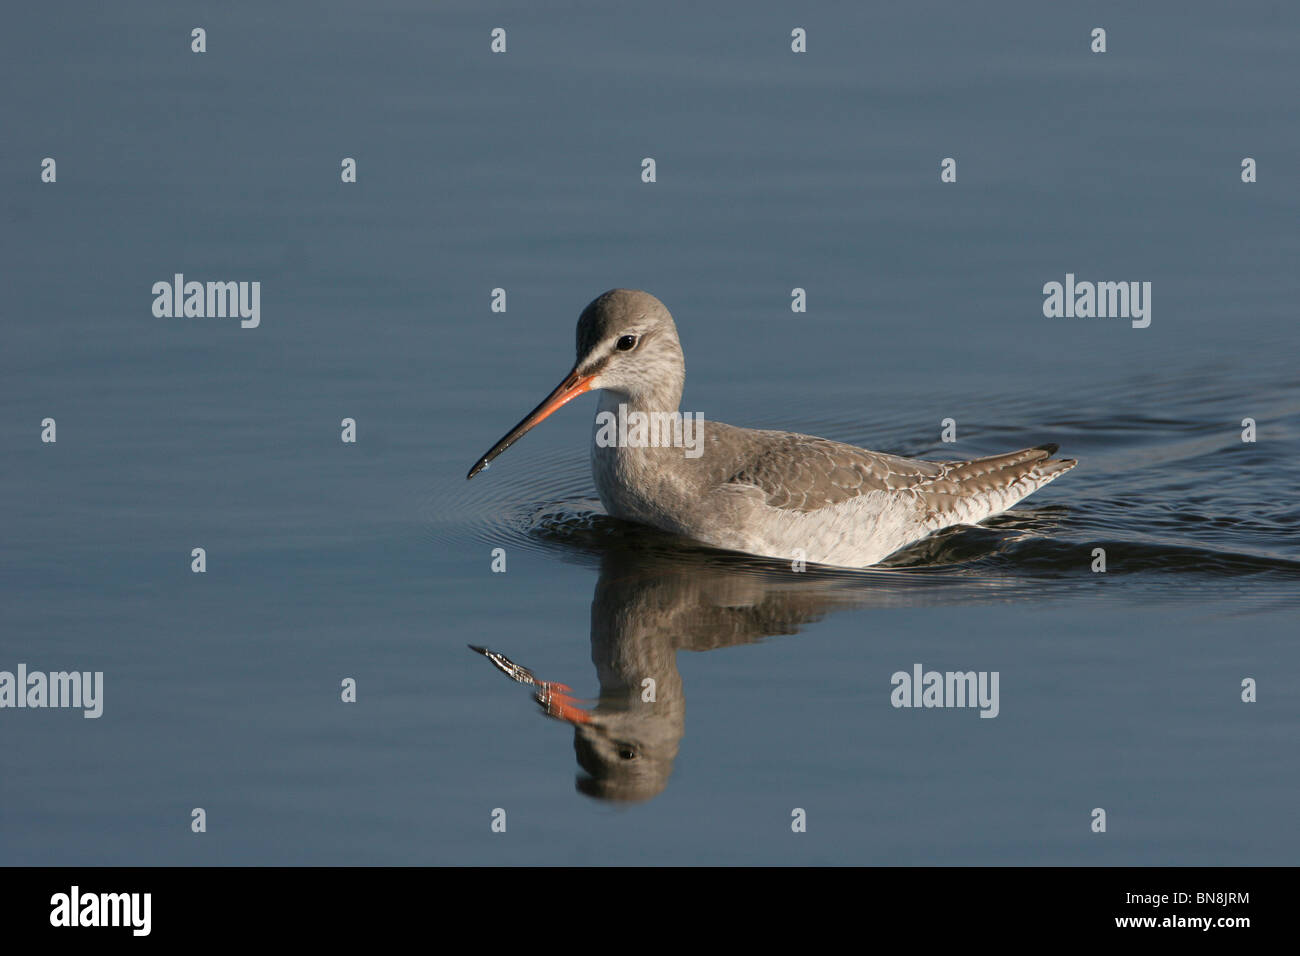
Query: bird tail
(971,491)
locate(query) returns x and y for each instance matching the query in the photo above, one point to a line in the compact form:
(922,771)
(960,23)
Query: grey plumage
(772,493)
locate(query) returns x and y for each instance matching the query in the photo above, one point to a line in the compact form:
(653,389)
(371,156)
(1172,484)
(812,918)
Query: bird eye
(626,343)
(626,752)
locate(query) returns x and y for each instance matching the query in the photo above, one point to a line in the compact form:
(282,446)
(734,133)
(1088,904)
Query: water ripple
(1178,506)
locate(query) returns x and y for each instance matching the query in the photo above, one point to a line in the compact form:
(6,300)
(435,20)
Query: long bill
(573,386)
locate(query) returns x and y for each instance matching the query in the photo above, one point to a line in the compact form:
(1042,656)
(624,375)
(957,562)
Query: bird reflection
(653,601)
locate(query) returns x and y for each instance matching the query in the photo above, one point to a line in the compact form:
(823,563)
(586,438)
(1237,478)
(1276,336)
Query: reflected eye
(626,343)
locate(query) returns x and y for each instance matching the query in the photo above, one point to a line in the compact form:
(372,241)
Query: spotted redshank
(770,493)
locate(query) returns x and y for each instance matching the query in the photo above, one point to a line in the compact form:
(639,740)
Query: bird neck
(665,398)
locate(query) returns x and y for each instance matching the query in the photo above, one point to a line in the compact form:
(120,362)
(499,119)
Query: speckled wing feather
(803,473)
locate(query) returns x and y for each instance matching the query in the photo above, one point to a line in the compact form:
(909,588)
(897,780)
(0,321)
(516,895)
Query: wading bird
(771,493)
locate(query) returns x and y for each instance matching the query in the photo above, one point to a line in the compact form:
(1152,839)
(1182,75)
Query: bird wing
(802,473)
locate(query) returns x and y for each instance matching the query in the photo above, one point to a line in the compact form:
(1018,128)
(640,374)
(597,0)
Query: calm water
(372,561)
